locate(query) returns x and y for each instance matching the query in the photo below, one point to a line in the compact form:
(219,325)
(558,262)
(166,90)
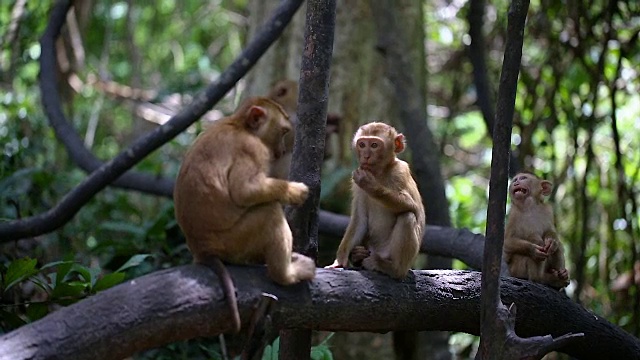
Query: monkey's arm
(249,186)
(397,198)
(355,233)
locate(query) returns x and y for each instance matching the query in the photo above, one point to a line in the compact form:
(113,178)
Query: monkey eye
(361,144)
(284,131)
(374,145)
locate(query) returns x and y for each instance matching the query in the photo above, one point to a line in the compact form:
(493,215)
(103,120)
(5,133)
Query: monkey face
(520,186)
(371,151)
(271,126)
(526,185)
(281,129)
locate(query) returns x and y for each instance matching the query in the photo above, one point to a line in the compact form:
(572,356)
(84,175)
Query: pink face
(370,150)
(520,186)
(524,185)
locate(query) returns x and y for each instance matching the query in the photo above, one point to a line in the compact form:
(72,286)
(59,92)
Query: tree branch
(498,339)
(108,172)
(477,56)
(188,301)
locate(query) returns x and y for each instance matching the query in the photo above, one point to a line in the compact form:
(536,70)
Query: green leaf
(55,263)
(63,270)
(271,351)
(108,281)
(321,353)
(73,289)
(19,270)
(12,319)
(135,260)
(88,275)
(42,283)
(85,272)
(37,311)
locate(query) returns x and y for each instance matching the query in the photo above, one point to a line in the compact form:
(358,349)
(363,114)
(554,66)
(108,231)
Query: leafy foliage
(576,124)
(56,283)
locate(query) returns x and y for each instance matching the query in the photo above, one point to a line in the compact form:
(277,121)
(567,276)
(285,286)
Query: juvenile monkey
(387,215)
(285,93)
(227,206)
(532,249)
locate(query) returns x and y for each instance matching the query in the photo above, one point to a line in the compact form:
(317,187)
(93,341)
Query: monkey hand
(562,274)
(296,193)
(539,253)
(550,245)
(365,179)
(358,254)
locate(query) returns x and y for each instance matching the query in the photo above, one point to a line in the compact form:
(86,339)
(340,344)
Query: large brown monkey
(532,249)
(227,206)
(387,215)
(285,93)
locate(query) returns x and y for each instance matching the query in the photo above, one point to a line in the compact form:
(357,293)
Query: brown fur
(285,93)
(387,215)
(227,206)
(532,249)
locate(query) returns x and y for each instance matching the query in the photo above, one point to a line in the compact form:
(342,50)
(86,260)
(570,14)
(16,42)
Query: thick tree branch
(186,302)
(108,172)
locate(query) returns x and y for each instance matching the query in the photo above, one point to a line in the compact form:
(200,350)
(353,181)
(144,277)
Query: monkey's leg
(284,266)
(358,254)
(395,257)
(518,266)
(553,279)
(541,273)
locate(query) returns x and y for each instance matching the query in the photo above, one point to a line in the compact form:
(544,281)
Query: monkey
(387,215)
(229,208)
(285,93)
(532,249)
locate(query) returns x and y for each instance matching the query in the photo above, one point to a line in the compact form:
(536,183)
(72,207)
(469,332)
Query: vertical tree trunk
(309,145)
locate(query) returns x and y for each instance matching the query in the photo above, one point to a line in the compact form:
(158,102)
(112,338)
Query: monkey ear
(546,186)
(399,144)
(255,117)
(282,91)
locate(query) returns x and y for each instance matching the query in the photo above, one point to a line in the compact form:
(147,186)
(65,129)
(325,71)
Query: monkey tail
(228,288)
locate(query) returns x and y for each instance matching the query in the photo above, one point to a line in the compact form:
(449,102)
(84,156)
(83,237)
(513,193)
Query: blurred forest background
(125,67)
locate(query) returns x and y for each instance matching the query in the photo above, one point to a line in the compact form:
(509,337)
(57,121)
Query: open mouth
(520,190)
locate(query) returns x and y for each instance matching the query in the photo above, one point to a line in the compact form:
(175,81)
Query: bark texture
(185,302)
